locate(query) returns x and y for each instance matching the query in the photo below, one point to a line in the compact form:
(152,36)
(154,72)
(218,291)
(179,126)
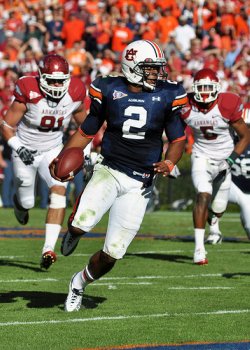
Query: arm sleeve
(175,127)
(96,116)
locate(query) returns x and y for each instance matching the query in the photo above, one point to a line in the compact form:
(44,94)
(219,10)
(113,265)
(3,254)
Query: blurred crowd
(91,35)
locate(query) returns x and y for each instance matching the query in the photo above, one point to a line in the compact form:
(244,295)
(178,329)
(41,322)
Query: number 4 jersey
(132,141)
(44,121)
(212,135)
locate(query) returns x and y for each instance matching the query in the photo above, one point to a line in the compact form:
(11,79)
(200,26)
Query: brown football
(70,162)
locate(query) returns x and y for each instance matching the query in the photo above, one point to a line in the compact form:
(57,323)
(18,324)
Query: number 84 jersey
(211,127)
(44,121)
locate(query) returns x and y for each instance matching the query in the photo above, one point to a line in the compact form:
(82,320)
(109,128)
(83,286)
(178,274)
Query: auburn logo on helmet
(130,54)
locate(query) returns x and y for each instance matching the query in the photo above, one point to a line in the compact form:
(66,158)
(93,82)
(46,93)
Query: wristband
(14,143)
(232,158)
(169,164)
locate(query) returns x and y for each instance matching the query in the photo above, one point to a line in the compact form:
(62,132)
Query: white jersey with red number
(211,128)
(42,125)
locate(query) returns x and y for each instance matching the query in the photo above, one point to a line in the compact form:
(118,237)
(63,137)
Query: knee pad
(27,203)
(219,206)
(57,201)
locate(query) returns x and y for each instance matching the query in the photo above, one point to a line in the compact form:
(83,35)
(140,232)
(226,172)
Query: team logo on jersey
(33,95)
(130,54)
(157,98)
(118,94)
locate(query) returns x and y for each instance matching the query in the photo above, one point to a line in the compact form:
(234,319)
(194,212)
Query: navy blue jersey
(241,171)
(132,141)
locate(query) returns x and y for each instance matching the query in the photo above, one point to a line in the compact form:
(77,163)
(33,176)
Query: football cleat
(74,298)
(214,238)
(21,214)
(48,258)
(69,243)
(200,257)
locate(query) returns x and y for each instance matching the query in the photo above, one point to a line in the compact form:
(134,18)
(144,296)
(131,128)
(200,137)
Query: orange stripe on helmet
(157,49)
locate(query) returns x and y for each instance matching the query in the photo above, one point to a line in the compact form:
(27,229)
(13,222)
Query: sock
(199,234)
(214,226)
(82,279)
(52,232)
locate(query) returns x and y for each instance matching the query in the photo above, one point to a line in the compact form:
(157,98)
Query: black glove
(26,155)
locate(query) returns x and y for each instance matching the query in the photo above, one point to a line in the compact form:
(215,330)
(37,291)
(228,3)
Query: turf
(155,295)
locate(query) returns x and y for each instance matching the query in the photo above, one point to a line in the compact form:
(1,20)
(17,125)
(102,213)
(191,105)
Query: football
(70,162)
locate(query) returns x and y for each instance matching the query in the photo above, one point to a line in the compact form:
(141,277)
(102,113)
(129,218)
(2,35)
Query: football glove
(225,167)
(26,155)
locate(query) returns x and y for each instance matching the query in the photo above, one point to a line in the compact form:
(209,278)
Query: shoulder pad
(230,105)
(27,90)
(77,90)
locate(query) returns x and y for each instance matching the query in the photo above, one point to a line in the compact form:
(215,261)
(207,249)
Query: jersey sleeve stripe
(182,138)
(85,135)
(95,93)
(180,101)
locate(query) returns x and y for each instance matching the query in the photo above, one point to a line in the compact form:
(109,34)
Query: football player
(240,186)
(33,127)
(211,115)
(137,107)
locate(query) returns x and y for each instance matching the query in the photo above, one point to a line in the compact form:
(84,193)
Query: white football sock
(214,227)
(199,235)
(52,232)
(81,279)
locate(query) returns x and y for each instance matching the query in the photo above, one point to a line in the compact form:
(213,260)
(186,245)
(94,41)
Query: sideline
(189,346)
(38,233)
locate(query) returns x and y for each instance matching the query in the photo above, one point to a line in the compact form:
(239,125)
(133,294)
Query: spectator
(79,58)
(165,25)
(232,55)
(54,27)
(121,37)
(72,30)
(184,34)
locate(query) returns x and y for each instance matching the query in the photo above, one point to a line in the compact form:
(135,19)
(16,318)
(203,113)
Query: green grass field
(155,295)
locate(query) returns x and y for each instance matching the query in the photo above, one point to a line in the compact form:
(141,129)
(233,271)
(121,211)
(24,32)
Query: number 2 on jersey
(134,123)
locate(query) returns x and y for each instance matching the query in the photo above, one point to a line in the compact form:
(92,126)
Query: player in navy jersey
(137,107)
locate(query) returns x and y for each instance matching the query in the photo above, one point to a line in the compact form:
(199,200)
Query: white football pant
(127,201)
(203,173)
(243,200)
(25,176)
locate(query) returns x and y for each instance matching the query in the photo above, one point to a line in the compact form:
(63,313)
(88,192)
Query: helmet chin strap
(148,86)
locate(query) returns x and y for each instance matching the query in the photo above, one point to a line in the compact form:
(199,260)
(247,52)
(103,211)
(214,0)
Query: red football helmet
(54,75)
(206,86)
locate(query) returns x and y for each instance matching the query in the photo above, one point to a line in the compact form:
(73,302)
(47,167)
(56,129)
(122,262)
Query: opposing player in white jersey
(211,115)
(33,127)
(240,186)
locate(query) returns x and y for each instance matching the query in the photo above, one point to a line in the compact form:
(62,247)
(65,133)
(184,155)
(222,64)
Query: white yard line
(221,250)
(121,317)
(111,279)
